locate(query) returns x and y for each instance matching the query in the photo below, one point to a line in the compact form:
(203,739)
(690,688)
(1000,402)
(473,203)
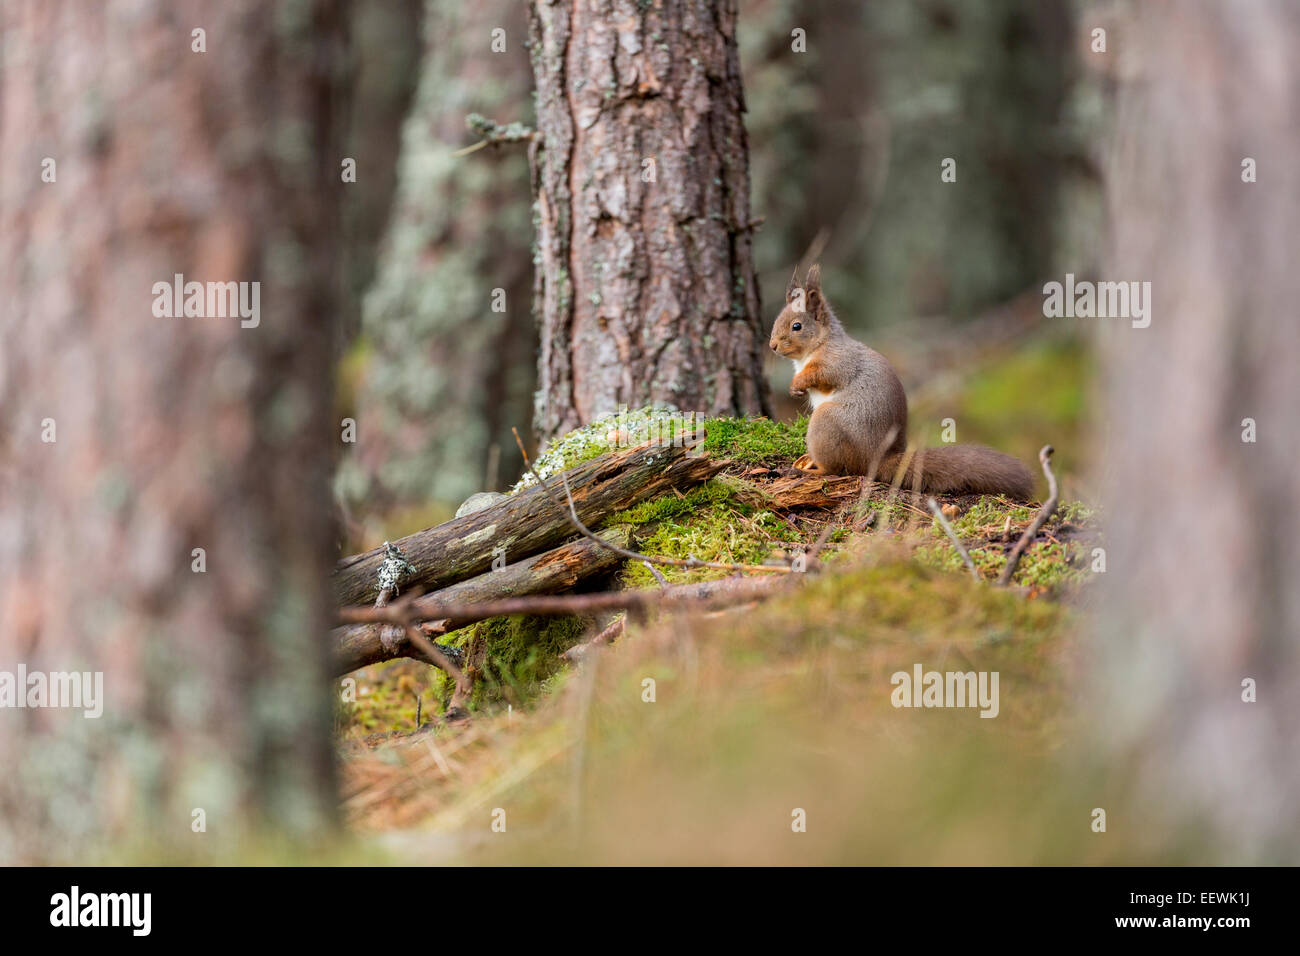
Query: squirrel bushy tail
(962,470)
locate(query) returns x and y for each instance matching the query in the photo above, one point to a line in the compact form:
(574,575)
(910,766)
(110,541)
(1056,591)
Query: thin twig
(952,536)
(658,575)
(472,149)
(586,532)
(1049,506)
(822,540)
(722,591)
(494,133)
(464,688)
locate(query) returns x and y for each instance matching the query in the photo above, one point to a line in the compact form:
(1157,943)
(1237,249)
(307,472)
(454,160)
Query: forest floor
(703,737)
(772,731)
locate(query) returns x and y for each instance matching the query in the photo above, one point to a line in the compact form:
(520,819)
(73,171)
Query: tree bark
(1206,534)
(526,522)
(645,288)
(132,439)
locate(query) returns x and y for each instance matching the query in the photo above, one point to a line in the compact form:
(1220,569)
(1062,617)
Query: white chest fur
(814,395)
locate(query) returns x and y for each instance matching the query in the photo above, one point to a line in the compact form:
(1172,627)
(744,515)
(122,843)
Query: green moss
(522,657)
(906,602)
(384,698)
(708,495)
(755,440)
(721,520)
(622,429)
(889,513)
(988,516)
(1076,513)
(1045,564)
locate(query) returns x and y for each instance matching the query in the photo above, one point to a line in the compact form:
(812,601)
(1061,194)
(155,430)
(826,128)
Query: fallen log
(360,645)
(526,522)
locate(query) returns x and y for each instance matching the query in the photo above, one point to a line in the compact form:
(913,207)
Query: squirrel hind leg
(830,440)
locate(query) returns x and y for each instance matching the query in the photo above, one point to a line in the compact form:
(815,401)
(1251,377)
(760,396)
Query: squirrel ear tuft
(813,281)
(794,284)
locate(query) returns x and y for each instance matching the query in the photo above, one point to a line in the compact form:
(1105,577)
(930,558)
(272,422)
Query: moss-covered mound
(737,518)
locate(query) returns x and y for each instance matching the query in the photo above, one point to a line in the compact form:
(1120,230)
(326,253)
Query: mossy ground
(722,520)
(520,657)
(730,519)
(1060,560)
(785,703)
(697,738)
(757,441)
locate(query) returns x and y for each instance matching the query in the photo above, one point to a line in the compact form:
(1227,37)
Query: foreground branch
(1049,506)
(701,594)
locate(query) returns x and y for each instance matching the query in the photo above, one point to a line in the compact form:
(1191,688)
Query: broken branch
(1049,506)
(952,536)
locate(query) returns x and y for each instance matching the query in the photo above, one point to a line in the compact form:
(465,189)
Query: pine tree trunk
(645,288)
(130,440)
(1201,574)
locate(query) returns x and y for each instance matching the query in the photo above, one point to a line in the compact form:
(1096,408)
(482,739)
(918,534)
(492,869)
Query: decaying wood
(527,522)
(359,645)
(814,491)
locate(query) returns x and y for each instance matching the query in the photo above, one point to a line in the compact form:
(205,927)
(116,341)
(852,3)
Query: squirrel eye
(796,327)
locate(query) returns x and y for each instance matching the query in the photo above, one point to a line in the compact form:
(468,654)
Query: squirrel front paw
(798,392)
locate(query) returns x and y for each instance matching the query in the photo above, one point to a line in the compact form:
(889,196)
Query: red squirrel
(859,419)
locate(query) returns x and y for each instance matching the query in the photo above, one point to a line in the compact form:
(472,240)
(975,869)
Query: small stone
(477,502)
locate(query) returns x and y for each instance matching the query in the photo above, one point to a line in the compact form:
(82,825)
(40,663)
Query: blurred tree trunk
(1202,571)
(645,289)
(385,64)
(447,375)
(986,85)
(169,434)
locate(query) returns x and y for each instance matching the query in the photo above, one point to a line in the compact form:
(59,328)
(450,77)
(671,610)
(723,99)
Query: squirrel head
(805,322)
